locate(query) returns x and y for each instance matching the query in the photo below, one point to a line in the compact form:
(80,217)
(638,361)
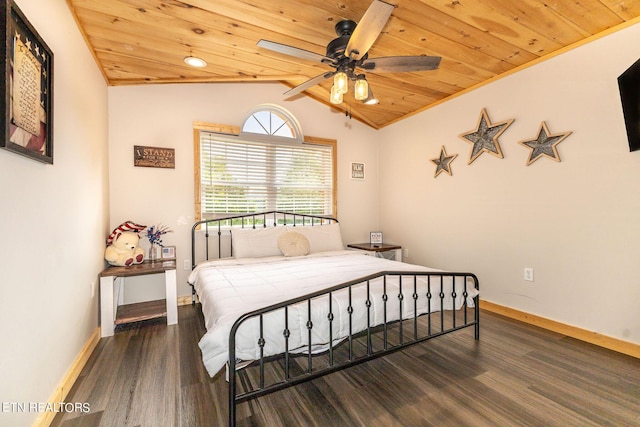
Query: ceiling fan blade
(368,29)
(309,83)
(401,64)
(295,51)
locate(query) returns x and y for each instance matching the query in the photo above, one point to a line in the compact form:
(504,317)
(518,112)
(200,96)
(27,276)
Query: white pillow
(293,243)
(256,243)
(322,237)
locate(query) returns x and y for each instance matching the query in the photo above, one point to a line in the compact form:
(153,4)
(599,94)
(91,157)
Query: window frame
(230,131)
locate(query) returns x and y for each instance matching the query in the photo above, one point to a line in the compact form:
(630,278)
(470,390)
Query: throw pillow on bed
(323,237)
(256,243)
(292,243)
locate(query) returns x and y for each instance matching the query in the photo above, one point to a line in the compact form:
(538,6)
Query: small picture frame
(168,252)
(375,238)
(357,170)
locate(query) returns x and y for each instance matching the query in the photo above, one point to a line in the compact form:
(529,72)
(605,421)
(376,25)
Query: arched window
(272,120)
(265,165)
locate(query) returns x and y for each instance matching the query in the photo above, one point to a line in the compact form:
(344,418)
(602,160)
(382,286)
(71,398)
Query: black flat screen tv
(629,84)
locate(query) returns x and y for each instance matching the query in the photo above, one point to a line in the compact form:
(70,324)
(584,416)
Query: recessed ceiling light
(194,61)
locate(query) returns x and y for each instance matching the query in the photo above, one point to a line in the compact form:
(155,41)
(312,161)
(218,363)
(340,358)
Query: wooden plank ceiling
(138,42)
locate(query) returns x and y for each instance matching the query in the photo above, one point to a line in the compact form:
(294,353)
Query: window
(272,121)
(267,166)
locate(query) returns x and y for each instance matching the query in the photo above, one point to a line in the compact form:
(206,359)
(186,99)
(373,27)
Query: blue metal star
(485,137)
(544,144)
(443,163)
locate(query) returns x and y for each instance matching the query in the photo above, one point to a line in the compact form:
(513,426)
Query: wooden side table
(376,250)
(112,314)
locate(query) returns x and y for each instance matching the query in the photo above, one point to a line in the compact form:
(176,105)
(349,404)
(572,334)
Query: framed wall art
(168,252)
(357,170)
(26,84)
(375,238)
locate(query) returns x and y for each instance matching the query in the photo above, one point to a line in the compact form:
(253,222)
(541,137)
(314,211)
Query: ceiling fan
(348,55)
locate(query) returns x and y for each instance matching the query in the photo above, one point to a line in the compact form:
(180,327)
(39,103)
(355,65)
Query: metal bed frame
(407,331)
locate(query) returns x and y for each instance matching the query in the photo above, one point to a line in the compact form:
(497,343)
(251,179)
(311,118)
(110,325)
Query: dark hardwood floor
(516,375)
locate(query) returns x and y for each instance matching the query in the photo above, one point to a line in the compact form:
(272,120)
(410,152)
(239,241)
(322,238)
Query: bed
(284,302)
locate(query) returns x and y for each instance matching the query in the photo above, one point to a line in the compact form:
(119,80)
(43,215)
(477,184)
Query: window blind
(238,176)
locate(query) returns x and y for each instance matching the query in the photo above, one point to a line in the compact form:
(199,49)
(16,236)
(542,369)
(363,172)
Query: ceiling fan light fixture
(336,96)
(341,82)
(371,99)
(350,51)
(194,61)
(361,88)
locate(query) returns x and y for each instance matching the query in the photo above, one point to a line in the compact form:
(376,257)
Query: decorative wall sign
(443,163)
(485,137)
(357,170)
(544,144)
(154,157)
(26,83)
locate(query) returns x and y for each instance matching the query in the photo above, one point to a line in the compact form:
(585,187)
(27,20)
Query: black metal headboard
(222,227)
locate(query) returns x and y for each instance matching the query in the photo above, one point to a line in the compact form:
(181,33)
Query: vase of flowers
(154,234)
(153,252)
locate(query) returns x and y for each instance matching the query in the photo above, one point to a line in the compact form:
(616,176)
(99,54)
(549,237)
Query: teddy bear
(122,245)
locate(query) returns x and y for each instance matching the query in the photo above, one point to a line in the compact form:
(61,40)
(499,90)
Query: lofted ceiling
(139,42)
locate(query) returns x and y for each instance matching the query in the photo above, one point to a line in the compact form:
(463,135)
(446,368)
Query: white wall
(576,222)
(163,116)
(54,218)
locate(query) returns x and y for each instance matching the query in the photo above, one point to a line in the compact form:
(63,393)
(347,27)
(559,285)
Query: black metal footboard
(412,307)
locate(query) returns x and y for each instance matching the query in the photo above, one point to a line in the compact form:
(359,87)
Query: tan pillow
(293,243)
(256,243)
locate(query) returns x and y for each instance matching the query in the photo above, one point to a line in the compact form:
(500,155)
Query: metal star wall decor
(544,144)
(443,163)
(485,137)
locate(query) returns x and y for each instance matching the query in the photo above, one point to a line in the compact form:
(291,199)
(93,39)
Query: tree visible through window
(267,166)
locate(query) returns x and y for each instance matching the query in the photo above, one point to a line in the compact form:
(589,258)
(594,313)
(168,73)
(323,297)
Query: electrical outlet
(93,289)
(186,264)
(528,274)
(405,253)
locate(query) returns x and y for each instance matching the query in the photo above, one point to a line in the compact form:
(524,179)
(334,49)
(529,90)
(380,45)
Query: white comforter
(228,288)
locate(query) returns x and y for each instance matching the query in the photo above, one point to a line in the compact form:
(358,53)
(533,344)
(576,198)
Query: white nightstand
(112,314)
